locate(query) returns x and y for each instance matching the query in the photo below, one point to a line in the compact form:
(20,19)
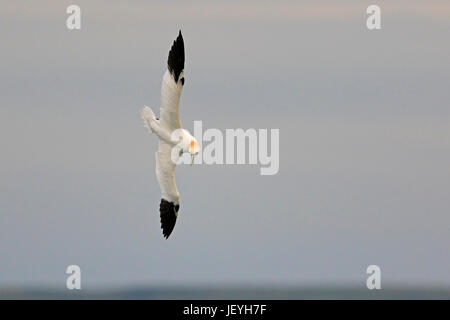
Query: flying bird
(173,139)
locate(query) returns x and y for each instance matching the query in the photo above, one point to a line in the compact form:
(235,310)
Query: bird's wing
(165,173)
(172,85)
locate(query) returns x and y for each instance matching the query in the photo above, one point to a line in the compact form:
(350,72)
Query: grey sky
(364,123)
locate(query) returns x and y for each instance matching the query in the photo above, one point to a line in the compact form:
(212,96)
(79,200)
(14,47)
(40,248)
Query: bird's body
(173,139)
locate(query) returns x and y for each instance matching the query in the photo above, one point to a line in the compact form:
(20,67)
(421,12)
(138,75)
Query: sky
(364,124)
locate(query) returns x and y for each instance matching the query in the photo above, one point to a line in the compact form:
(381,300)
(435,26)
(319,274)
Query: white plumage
(173,140)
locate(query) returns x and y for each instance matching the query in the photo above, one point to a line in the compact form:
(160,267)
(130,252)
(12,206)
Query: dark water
(229,293)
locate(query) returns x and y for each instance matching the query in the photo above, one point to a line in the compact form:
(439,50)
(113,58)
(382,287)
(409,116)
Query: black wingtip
(168,211)
(175,62)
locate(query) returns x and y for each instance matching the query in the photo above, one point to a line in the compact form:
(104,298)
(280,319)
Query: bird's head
(185,143)
(194,149)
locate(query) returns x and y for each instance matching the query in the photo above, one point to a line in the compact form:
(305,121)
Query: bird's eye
(182,81)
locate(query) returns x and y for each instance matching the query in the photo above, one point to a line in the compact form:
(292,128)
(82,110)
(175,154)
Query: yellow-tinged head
(194,149)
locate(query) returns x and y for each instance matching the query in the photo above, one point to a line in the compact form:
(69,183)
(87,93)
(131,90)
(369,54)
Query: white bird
(173,140)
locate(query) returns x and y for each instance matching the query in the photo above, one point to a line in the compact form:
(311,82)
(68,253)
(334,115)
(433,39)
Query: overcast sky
(364,122)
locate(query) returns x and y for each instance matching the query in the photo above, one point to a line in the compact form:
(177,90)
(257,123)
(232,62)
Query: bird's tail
(148,116)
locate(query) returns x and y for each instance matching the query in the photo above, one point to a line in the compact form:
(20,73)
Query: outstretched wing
(172,85)
(165,173)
